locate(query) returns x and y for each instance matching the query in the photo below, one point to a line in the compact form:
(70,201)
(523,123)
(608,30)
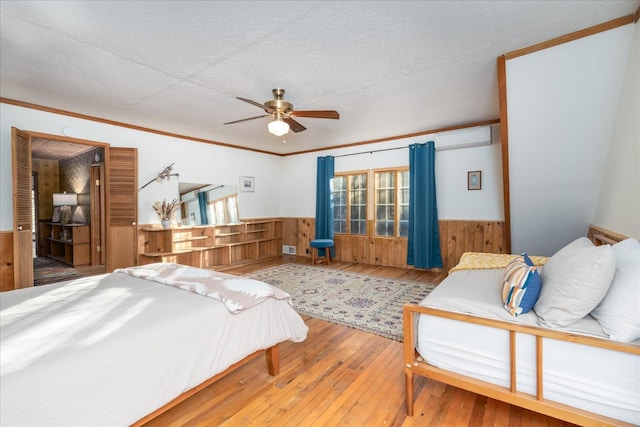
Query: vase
(166,223)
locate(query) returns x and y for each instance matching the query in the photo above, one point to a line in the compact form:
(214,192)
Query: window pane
(385,203)
(232,209)
(384,228)
(339,204)
(358,227)
(211,213)
(404,229)
(357,204)
(219,210)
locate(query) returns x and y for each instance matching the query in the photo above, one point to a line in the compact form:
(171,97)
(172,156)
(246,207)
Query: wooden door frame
(98,215)
(19,253)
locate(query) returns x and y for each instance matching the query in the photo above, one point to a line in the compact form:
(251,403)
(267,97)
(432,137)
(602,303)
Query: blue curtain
(324,202)
(203,201)
(424,237)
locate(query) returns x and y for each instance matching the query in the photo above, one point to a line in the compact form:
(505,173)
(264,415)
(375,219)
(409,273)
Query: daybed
(574,356)
(121,348)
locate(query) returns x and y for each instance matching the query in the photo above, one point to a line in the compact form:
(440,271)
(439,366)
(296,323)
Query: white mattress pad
(595,379)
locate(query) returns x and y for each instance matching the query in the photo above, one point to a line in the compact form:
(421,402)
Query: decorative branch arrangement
(165,210)
(164,174)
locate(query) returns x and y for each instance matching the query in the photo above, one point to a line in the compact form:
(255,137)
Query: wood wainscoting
(6,260)
(456,237)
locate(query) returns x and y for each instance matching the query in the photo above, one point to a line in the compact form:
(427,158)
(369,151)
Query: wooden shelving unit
(69,243)
(214,246)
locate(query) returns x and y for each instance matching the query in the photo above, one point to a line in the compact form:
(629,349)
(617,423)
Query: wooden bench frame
(414,365)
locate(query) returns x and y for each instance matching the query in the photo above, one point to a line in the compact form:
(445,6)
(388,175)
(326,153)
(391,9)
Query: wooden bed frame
(415,365)
(273,367)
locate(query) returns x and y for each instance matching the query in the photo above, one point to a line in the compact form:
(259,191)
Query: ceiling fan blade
(244,120)
(293,125)
(257,104)
(318,114)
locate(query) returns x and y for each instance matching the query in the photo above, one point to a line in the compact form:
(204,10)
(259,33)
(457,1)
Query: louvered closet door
(121,207)
(22,228)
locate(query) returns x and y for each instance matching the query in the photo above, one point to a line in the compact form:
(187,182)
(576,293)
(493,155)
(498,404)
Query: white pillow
(619,311)
(574,281)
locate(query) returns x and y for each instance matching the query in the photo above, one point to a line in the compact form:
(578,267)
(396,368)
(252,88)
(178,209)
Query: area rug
(46,270)
(369,303)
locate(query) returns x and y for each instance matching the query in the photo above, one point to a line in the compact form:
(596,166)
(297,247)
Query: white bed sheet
(108,350)
(595,379)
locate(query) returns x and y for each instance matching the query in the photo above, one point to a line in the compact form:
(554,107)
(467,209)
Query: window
(350,203)
(392,203)
(224,210)
(389,197)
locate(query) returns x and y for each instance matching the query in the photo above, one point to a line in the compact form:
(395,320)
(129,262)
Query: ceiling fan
(283,114)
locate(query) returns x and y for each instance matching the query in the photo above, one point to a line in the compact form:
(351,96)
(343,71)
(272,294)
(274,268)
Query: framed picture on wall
(247,183)
(474,180)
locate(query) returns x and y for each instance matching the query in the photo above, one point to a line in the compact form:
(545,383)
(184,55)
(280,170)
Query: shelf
(214,246)
(69,243)
(159,254)
(190,239)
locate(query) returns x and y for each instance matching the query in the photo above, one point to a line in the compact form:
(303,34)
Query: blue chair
(318,244)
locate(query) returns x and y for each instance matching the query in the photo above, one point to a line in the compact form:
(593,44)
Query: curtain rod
(371,151)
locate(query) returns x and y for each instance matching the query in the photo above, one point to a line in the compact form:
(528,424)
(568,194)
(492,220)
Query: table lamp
(65,201)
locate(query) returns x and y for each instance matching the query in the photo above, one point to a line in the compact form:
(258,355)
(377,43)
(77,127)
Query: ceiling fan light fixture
(278,127)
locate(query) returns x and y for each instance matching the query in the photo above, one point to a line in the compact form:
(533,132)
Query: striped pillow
(521,286)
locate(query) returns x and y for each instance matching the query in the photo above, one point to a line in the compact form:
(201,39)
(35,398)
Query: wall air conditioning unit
(463,138)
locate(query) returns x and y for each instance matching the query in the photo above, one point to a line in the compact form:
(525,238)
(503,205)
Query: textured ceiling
(388,68)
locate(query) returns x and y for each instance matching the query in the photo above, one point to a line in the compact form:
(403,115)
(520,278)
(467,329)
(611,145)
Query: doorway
(119,207)
(72,169)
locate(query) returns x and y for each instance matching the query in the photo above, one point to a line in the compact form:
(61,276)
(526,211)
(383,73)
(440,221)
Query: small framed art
(474,180)
(247,183)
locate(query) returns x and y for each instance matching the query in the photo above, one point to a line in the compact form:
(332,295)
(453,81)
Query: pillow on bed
(619,311)
(574,281)
(521,285)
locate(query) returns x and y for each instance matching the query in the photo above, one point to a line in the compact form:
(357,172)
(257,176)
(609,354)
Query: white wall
(194,161)
(562,104)
(285,186)
(454,200)
(619,199)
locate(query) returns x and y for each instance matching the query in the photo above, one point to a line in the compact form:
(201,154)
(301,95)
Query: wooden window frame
(349,175)
(396,204)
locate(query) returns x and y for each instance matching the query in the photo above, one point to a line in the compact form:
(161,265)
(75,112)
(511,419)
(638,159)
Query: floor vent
(288,250)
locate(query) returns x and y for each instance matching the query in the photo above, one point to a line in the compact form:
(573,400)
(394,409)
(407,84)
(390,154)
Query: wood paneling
(456,237)
(48,181)
(6,261)
(298,232)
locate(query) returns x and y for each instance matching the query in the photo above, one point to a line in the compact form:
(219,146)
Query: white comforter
(108,350)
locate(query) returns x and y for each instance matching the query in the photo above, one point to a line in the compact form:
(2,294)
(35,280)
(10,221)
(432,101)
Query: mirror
(208,204)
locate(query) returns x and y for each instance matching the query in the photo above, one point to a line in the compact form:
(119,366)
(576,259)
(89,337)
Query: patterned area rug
(369,303)
(47,270)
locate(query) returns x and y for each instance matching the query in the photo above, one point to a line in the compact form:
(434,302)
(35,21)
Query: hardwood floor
(339,376)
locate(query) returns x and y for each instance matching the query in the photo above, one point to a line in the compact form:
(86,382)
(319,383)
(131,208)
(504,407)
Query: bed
(119,349)
(584,369)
